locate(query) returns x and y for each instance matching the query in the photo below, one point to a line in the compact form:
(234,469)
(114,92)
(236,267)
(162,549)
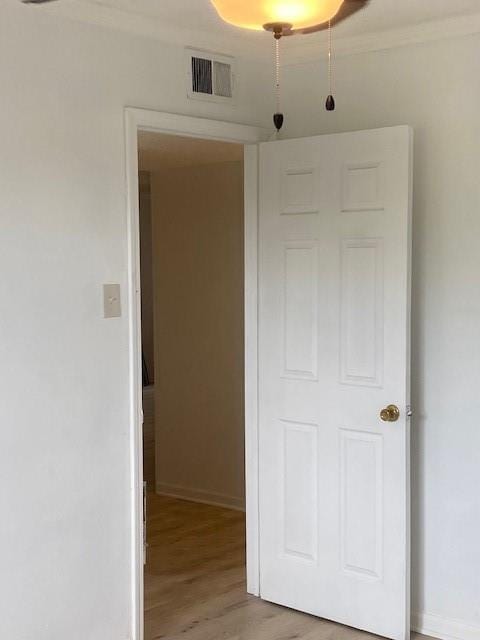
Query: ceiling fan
(279,11)
(287,18)
(284,18)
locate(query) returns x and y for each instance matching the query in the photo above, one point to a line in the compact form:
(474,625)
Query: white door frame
(173,124)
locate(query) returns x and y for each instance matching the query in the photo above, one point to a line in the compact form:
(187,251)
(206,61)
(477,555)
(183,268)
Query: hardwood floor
(195,581)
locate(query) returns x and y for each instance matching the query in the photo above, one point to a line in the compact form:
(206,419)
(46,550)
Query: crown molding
(458,26)
(247,44)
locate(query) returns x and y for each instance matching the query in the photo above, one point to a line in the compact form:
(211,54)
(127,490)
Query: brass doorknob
(390,413)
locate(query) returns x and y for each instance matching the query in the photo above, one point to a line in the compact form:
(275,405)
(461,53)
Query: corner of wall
(199,495)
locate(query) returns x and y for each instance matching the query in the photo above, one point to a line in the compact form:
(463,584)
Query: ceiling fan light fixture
(255,14)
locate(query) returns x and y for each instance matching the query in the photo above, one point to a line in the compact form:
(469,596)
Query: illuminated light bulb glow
(301,14)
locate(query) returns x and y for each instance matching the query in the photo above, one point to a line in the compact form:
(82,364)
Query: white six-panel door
(334,305)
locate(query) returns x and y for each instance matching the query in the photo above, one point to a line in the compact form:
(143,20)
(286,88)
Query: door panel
(334,286)
(361,300)
(300,310)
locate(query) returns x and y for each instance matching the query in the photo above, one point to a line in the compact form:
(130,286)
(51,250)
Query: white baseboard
(198,495)
(444,628)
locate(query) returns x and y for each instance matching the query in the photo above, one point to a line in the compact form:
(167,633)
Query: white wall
(436,89)
(199,332)
(64,450)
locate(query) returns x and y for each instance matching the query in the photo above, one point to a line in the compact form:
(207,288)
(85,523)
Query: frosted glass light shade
(254,14)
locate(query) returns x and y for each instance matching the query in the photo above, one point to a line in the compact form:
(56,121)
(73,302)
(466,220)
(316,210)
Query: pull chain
(277,75)
(330,102)
(277,116)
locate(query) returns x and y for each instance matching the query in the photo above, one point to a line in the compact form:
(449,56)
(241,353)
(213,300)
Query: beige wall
(197,216)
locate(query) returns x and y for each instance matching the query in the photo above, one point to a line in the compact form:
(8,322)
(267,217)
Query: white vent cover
(210,76)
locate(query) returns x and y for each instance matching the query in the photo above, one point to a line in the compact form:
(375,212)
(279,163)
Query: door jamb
(146,120)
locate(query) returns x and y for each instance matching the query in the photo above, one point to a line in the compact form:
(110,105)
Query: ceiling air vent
(210,76)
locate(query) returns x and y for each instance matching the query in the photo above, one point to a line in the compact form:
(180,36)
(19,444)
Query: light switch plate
(112,307)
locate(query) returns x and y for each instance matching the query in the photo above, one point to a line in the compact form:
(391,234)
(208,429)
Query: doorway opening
(138,121)
(191,214)
(283,474)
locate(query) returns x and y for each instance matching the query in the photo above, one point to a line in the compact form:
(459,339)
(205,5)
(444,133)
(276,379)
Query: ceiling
(378,16)
(381,24)
(158,152)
